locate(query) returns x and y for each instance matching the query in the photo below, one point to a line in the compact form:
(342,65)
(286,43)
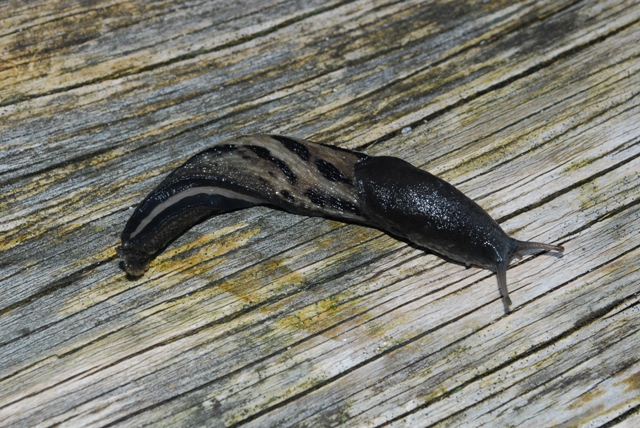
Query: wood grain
(259,318)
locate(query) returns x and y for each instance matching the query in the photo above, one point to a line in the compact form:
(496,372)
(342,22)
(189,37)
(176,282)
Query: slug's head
(515,252)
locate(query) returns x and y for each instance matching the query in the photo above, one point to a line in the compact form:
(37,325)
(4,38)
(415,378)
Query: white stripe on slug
(193,191)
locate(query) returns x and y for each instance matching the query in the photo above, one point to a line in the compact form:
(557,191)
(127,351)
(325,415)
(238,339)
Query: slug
(313,179)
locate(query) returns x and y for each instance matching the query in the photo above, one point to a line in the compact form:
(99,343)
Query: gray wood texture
(260,318)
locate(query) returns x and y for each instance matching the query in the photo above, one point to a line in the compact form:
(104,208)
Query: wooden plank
(257,318)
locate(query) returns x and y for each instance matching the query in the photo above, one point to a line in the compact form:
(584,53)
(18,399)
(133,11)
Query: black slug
(312,179)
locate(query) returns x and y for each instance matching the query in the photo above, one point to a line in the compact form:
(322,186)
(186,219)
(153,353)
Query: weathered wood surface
(259,318)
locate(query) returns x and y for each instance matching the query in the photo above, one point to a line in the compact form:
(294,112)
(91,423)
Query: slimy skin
(312,179)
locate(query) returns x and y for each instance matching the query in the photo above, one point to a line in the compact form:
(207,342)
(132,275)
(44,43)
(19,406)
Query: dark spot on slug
(330,172)
(287,195)
(343,205)
(287,172)
(316,197)
(265,154)
(321,199)
(262,152)
(298,148)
